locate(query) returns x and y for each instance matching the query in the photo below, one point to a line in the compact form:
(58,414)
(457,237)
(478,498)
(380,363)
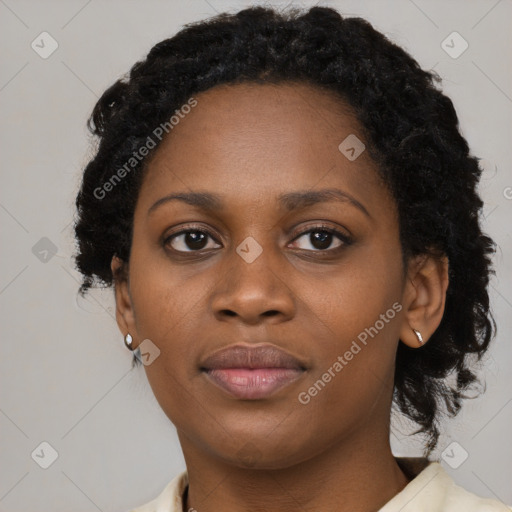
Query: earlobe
(424,299)
(124,308)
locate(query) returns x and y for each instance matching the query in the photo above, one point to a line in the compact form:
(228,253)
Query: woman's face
(267,271)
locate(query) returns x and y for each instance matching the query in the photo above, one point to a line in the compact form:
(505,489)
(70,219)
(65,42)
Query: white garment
(432,490)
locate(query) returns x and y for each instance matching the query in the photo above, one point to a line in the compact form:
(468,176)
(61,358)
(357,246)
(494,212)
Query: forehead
(261,138)
(246,115)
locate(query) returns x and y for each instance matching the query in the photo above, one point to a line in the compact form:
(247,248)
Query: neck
(354,475)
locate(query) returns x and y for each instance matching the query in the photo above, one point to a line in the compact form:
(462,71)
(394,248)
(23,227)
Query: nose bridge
(254,284)
(254,262)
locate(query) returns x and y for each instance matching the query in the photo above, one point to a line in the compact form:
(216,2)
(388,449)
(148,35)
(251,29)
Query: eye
(190,240)
(321,238)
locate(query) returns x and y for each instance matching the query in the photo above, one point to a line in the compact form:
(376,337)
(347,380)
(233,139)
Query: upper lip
(243,356)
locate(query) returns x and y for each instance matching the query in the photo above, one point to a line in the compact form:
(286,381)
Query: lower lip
(253,384)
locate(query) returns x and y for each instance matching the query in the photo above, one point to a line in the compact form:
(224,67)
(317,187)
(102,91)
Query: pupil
(320,238)
(195,239)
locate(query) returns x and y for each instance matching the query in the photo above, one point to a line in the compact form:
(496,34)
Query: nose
(254,292)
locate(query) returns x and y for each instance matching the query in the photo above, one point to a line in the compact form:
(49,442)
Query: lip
(252,372)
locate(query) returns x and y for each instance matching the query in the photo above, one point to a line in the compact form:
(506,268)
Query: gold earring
(419,336)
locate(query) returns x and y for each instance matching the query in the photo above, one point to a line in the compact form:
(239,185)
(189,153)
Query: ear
(125,315)
(424,298)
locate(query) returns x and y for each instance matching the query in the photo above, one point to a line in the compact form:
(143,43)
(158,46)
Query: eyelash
(322,228)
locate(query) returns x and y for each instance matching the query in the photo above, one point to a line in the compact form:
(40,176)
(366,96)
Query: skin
(250,143)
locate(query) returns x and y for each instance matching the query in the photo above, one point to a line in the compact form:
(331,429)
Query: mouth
(252,372)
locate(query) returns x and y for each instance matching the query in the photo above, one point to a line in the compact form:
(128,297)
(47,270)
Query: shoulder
(169,500)
(434,490)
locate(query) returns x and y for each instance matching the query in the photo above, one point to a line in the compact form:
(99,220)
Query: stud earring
(419,336)
(128,341)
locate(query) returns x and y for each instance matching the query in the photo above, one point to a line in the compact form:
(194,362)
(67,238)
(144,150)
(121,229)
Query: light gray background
(66,376)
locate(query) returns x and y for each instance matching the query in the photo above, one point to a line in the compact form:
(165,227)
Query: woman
(288,214)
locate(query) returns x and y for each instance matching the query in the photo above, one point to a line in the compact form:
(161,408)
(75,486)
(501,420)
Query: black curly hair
(411,132)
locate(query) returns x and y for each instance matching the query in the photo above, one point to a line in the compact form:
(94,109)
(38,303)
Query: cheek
(165,300)
(165,307)
(359,309)
(165,295)
(360,295)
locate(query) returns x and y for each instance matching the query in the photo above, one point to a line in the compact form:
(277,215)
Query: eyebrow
(290,201)
(203,200)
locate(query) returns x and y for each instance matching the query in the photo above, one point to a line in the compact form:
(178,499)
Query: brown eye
(189,241)
(322,239)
